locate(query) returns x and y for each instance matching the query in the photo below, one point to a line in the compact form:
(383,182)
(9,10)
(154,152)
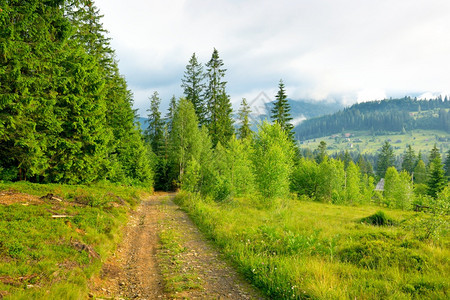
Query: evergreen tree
(154,134)
(321,152)
(170,114)
(365,166)
(220,124)
(53,97)
(72,115)
(447,164)
(385,159)
(420,173)
(347,159)
(434,153)
(436,177)
(409,160)
(193,86)
(244,131)
(281,111)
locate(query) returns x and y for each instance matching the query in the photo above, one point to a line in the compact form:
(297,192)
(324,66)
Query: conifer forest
(296,223)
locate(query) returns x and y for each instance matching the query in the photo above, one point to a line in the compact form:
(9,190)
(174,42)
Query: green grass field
(47,257)
(307,250)
(364,142)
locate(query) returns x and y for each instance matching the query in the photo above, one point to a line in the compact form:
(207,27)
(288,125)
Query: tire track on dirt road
(133,271)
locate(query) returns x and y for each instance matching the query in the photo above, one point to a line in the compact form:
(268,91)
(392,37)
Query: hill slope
(394,115)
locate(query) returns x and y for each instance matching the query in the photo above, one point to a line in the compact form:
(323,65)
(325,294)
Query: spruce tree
(120,116)
(447,165)
(409,160)
(436,177)
(281,111)
(420,173)
(385,159)
(219,121)
(154,132)
(69,111)
(170,114)
(321,152)
(193,86)
(244,131)
(347,159)
(434,153)
(365,166)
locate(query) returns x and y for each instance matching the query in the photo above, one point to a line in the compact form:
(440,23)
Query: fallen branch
(61,216)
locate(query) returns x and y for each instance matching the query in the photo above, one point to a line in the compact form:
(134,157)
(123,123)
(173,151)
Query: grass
(178,276)
(299,249)
(42,257)
(378,219)
(364,142)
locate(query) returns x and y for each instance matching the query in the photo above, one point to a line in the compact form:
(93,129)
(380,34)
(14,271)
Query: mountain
(300,109)
(142,122)
(393,115)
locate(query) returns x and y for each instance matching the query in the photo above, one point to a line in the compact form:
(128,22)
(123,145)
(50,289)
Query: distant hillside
(393,115)
(300,110)
(143,122)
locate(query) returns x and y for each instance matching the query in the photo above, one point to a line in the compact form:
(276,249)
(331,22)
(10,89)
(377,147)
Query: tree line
(268,162)
(390,115)
(66,117)
(65,110)
(200,126)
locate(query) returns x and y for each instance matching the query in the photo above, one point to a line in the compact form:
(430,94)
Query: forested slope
(65,111)
(381,116)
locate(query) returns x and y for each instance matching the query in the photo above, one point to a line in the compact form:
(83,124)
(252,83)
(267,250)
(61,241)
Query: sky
(334,50)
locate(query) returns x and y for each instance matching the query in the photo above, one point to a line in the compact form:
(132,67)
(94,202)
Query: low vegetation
(178,276)
(303,249)
(53,238)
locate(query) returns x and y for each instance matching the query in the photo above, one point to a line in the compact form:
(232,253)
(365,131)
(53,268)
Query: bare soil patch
(12,197)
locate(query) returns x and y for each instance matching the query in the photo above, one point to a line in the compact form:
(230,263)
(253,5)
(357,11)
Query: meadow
(53,237)
(299,249)
(366,143)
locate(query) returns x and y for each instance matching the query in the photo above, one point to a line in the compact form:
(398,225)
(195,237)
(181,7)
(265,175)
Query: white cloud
(371,94)
(352,49)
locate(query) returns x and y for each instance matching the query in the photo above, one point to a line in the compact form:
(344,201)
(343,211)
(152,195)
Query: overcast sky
(348,50)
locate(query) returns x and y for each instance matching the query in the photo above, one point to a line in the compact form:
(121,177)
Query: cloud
(324,49)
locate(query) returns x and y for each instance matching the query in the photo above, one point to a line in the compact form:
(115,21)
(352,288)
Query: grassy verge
(53,238)
(300,249)
(178,276)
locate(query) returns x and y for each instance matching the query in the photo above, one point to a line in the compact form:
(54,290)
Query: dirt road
(180,265)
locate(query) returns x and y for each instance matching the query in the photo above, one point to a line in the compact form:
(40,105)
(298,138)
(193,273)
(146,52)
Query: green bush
(378,219)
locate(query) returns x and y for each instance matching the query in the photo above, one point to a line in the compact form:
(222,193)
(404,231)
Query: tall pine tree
(154,134)
(447,165)
(386,159)
(436,177)
(193,86)
(281,111)
(220,123)
(244,111)
(409,160)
